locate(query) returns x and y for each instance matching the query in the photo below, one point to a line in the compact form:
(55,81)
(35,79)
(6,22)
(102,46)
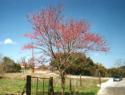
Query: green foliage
(8,65)
(16,67)
(116,71)
(102,70)
(79,63)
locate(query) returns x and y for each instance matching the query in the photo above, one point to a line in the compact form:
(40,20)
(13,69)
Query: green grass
(11,86)
(87,87)
(16,84)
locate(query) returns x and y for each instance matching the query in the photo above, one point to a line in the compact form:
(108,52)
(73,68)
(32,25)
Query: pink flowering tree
(53,34)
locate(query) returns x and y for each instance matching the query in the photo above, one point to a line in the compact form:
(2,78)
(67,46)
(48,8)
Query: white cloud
(8,41)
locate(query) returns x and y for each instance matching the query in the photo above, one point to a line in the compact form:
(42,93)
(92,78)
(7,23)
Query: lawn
(8,86)
(14,85)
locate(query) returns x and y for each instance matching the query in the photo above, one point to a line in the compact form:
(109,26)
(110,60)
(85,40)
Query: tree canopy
(8,65)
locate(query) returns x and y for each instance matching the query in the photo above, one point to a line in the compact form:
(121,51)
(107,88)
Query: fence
(39,86)
(50,86)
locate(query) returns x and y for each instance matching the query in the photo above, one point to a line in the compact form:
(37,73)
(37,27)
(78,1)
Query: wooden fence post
(80,80)
(50,88)
(100,79)
(37,86)
(28,85)
(43,86)
(70,86)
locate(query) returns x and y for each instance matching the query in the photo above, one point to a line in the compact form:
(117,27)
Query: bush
(8,65)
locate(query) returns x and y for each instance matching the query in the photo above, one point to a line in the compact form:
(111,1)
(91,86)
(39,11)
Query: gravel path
(112,88)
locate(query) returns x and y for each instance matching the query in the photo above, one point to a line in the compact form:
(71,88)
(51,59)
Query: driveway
(112,88)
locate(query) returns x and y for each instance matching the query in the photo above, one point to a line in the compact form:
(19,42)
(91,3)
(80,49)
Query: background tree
(118,69)
(78,64)
(52,34)
(1,68)
(23,62)
(102,70)
(119,63)
(8,65)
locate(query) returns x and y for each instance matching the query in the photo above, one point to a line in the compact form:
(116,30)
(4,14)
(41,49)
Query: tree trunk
(33,70)
(63,83)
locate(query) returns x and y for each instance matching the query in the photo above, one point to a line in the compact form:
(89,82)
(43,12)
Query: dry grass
(15,82)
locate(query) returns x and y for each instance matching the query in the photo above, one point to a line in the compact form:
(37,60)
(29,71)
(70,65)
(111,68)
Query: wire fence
(39,86)
(50,86)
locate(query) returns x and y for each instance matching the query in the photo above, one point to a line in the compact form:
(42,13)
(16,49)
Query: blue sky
(106,17)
